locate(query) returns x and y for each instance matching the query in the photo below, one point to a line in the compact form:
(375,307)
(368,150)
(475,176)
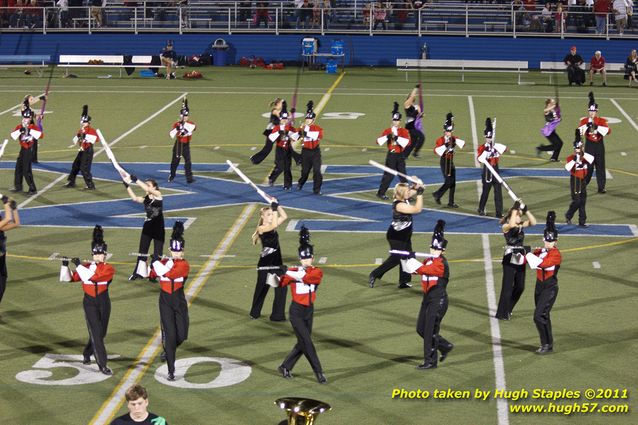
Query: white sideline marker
(378,261)
(364,150)
(323,260)
(596,264)
(216,148)
(54,256)
(254,148)
(326,149)
(143,147)
(623,153)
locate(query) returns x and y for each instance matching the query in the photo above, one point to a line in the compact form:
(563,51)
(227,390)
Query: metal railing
(230,17)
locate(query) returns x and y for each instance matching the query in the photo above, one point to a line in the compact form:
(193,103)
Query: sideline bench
(560,68)
(22,61)
(108,61)
(463,66)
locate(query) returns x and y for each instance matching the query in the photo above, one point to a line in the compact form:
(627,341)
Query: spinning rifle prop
(395,172)
(408,253)
(245,178)
(109,153)
(4,145)
(483,159)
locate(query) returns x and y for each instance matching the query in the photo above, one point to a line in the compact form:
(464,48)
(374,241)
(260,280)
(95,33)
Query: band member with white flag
(435,275)
(182,132)
(85,140)
(397,139)
(595,128)
(546,262)
(26,133)
(490,152)
(578,166)
(399,234)
(96,276)
(444,148)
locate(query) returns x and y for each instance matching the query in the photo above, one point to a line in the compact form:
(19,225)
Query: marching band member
(303,281)
(11,220)
(445,146)
(435,274)
(552,119)
(153,229)
(85,140)
(595,128)
(397,139)
(96,276)
(577,166)
(399,234)
(182,132)
(546,262)
(26,133)
(29,101)
(269,260)
(513,283)
(491,152)
(413,122)
(172,274)
(311,135)
(282,136)
(275,109)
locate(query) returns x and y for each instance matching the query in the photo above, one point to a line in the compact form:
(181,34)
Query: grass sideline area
(365,338)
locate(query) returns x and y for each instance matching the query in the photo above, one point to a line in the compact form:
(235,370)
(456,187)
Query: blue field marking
(348,214)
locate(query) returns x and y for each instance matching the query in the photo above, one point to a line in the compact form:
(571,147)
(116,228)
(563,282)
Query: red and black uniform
(96,278)
(399,237)
(283,136)
(594,131)
(546,291)
(489,181)
(85,138)
(303,285)
(445,149)
(269,261)
(397,140)
(27,136)
(578,167)
(435,274)
(513,283)
(311,156)
(172,274)
(182,132)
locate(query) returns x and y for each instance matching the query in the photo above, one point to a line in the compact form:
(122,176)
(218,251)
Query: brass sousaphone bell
(302,411)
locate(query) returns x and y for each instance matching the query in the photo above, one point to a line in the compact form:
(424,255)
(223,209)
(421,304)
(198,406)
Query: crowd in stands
(586,16)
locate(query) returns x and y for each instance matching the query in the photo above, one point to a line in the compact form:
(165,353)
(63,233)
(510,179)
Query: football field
(365,338)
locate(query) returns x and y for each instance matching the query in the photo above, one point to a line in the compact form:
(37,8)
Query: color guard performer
(182,132)
(172,274)
(269,261)
(153,229)
(435,275)
(399,234)
(311,135)
(577,165)
(397,139)
(546,262)
(11,220)
(552,119)
(26,133)
(445,147)
(513,283)
(491,152)
(96,276)
(414,122)
(275,109)
(85,140)
(595,128)
(303,281)
(283,135)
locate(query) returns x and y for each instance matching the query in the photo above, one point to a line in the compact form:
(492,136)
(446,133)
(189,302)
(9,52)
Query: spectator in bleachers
(316,14)
(601,10)
(380,15)
(169,59)
(64,19)
(97,11)
(597,64)
(401,10)
(262,14)
(559,18)
(621,9)
(244,10)
(417,5)
(328,13)
(631,67)
(547,19)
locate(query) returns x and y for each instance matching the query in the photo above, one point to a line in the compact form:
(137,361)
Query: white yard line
(111,406)
(625,114)
(470,101)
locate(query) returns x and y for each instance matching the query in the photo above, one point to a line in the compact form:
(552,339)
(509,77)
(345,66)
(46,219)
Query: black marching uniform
(173,307)
(415,128)
(85,139)
(283,135)
(575,74)
(397,140)
(513,283)
(269,260)
(578,165)
(96,278)
(445,147)
(546,261)
(27,133)
(182,132)
(595,129)
(311,136)
(399,236)
(552,119)
(153,230)
(490,152)
(435,275)
(257,158)
(303,282)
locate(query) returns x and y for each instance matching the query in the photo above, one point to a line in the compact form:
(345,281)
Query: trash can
(220,52)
